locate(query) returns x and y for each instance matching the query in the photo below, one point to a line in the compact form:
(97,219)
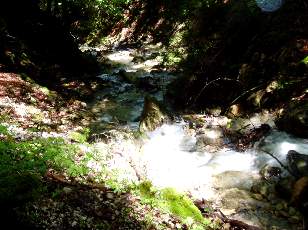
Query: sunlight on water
(286,146)
(171,159)
(279,143)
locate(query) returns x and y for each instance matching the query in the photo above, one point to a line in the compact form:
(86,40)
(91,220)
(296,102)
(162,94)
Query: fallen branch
(279,162)
(209,83)
(243,94)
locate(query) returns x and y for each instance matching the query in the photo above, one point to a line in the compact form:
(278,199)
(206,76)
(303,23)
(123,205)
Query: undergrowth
(24,163)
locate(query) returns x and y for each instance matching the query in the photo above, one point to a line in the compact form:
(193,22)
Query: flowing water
(170,155)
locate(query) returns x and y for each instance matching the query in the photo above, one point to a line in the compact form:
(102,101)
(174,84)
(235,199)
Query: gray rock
(270,173)
(297,163)
(153,115)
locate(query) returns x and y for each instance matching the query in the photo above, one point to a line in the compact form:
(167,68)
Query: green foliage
(172,59)
(18,187)
(22,164)
(86,18)
(80,136)
(305,60)
(3,130)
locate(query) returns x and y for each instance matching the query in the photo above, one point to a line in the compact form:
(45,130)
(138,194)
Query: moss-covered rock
(153,115)
(297,164)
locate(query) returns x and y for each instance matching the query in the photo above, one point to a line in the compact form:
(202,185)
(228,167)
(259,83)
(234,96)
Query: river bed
(170,156)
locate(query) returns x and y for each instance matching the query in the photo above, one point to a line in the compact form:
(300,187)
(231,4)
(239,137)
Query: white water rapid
(225,177)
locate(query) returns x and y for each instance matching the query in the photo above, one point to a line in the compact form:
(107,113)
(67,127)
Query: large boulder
(297,164)
(294,119)
(153,115)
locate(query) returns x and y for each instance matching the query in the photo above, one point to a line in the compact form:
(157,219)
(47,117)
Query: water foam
(172,162)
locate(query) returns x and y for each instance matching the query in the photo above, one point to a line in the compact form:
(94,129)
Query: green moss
(180,205)
(153,114)
(173,202)
(80,136)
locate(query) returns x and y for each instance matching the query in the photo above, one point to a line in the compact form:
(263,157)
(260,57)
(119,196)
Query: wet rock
(256,98)
(294,119)
(233,179)
(300,194)
(294,219)
(67,190)
(148,83)
(297,163)
(264,188)
(153,115)
(242,142)
(270,173)
(234,199)
(109,195)
(279,206)
(257,196)
(292,211)
(138,59)
(130,77)
(210,139)
(284,214)
(284,188)
(235,110)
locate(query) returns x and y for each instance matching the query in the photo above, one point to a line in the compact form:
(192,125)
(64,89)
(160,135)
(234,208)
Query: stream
(194,160)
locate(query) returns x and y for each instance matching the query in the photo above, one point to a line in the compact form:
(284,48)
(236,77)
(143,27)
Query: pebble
(284,213)
(271,196)
(109,195)
(285,205)
(226,226)
(257,196)
(74,223)
(67,190)
(279,206)
(292,211)
(294,219)
(264,190)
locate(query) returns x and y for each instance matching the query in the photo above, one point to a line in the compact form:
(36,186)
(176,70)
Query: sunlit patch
(21,110)
(231,161)
(285,147)
(171,161)
(95,166)
(213,134)
(84,148)
(147,65)
(122,57)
